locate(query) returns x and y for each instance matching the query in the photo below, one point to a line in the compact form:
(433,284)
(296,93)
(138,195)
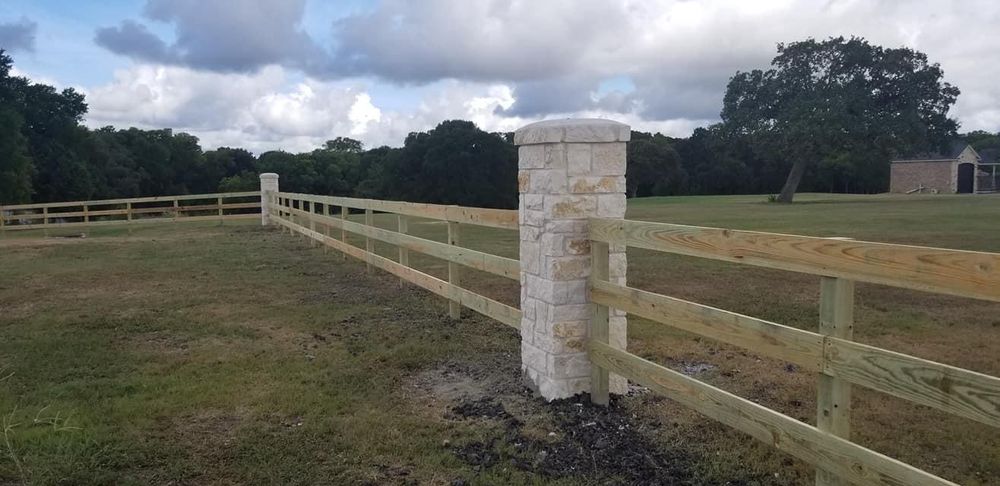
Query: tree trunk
(792,182)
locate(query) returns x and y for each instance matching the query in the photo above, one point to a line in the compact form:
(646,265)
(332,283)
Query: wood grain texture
(343,233)
(803,348)
(495,218)
(311,208)
(506,314)
(369,244)
(403,227)
(954,390)
(328,212)
(454,271)
(497,265)
(600,392)
(833,398)
(844,458)
(947,388)
(954,272)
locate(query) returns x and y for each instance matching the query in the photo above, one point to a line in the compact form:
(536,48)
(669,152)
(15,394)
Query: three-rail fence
(831,353)
(138,210)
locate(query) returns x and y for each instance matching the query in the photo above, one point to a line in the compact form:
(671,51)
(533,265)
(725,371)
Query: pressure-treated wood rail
(838,361)
(493,218)
(954,272)
(77,214)
(299,213)
(837,455)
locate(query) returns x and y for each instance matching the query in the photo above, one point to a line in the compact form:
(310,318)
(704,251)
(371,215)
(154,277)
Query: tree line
(827,116)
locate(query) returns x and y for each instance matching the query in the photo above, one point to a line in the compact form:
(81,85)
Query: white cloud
(271,110)
(505,63)
(362,113)
(679,53)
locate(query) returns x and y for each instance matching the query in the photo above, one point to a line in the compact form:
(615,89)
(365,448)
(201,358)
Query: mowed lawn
(200,354)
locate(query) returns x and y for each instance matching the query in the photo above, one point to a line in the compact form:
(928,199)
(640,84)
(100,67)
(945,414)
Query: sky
(290,74)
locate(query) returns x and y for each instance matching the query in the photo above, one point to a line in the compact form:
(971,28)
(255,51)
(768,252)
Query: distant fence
(988,178)
(304,213)
(831,353)
(193,207)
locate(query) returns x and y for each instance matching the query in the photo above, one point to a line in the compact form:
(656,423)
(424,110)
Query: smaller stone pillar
(268,186)
(568,171)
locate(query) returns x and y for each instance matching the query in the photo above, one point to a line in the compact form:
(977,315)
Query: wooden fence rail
(77,214)
(831,353)
(302,213)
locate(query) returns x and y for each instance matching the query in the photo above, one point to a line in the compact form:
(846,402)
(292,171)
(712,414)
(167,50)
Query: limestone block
(592,185)
(547,181)
(570,207)
(611,205)
(531,156)
(608,159)
(578,159)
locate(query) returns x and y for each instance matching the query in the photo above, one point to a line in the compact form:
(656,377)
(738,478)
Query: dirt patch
(595,444)
(483,407)
(562,439)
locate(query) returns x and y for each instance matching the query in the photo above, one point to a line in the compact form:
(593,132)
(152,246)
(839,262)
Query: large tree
(15,164)
(840,102)
(654,167)
(453,163)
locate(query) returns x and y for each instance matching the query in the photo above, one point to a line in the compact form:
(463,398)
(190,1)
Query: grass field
(199,354)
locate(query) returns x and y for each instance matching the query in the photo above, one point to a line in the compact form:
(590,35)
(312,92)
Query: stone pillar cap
(573,130)
(268,175)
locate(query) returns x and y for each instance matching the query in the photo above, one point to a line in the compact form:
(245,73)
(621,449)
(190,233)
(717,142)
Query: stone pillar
(268,185)
(568,171)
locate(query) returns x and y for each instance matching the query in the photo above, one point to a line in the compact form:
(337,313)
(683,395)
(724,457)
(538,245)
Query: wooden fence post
(343,233)
(295,218)
(45,221)
(86,213)
(128,216)
(454,273)
(833,402)
(222,220)
(177,211)
(287,204)
(599,329)
(369,244)
(311,207)
(327,213)
(3,216)
(403,226)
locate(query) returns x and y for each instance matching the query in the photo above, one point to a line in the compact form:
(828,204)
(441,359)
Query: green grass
(200,354)
(191,353)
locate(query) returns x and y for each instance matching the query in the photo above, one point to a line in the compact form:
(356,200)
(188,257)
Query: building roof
(955,148)
(989,155)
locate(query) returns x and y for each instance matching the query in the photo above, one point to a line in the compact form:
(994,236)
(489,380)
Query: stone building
(949,173)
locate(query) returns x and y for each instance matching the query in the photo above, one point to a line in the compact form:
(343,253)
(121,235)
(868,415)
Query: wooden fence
(194,207)
(304,213)
(838,361)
